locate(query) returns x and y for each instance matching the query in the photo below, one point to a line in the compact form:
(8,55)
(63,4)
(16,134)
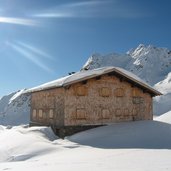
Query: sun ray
(29,56)
(34,50)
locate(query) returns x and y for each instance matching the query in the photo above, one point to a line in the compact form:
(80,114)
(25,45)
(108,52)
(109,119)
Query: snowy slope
(163,103)
(165,85)
(22,143)
(152,64)
(14,109)
(166,117)
(143,145)
(114,59)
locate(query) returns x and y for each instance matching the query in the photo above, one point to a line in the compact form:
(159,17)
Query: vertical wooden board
(105,92)
(81,90)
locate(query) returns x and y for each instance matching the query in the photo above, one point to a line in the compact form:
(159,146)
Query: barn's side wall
(87,104)
(47,107)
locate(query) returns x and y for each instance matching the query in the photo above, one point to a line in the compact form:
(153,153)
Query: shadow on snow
(140,134)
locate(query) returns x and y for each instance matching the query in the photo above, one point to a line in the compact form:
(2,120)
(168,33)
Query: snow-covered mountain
(15,109)
(150,63)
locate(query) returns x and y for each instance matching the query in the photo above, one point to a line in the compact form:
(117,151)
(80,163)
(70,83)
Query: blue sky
(42,40)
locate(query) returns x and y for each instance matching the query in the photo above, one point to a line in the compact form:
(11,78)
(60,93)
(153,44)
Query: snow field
(139,146)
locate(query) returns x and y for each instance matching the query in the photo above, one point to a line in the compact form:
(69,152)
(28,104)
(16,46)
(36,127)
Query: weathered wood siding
(105,100)
(101,100)
(47,107)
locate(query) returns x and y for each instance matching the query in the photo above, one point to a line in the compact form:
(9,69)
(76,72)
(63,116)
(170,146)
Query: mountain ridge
(140,61)
(152,64)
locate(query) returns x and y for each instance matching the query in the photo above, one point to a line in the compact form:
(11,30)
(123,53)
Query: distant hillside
(15,109)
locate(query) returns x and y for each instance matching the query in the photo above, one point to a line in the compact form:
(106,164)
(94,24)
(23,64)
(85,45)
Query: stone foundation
(66,130)
(70,130)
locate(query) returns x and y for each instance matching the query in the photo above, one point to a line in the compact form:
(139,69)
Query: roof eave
(149,89)
(117,72)
(86,78)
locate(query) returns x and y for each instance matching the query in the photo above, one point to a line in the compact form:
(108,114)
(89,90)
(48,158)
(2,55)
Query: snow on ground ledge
(139,146)
(165,118)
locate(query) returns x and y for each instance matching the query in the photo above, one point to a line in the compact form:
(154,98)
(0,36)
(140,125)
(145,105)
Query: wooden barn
(90,98)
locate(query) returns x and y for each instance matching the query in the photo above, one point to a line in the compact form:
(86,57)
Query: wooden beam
(84,82)
(145,91)
(67,87)
(98,77)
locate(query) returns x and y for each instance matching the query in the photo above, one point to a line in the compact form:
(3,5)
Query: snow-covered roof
(87,74)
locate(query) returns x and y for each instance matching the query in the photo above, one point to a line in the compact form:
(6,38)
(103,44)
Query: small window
(40,113)
(105,92)
(105,114)
(81,113)
(137,100)
(119,92)
(44,115)
(51,114)
(135,112)
(126,111)
(136,92)
(34,113)
(118,112)
(81,91)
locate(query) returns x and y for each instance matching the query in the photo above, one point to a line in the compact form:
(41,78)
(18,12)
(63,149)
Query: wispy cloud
(19,21)
(71,10)
(29,55)
(97,8)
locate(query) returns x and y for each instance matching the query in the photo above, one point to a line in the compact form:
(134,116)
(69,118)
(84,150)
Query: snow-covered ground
(139,146)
